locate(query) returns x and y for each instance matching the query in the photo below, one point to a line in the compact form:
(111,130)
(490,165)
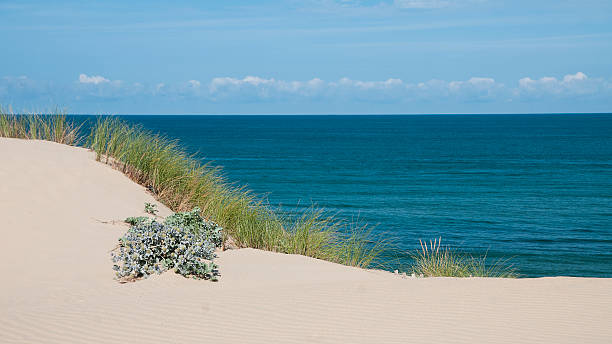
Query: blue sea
(536,189)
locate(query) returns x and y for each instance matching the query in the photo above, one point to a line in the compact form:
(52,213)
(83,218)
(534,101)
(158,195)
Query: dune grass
(54,128)
(434,260)
(182,182)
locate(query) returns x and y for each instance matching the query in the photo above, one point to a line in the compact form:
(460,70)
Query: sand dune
(61,213)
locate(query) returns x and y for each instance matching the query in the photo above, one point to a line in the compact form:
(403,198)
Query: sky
(306,56)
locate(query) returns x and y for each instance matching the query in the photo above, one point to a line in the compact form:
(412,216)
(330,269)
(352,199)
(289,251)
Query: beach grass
(55,128)
(435,260)
(182,182)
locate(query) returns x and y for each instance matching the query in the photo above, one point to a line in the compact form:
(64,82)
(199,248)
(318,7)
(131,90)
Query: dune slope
(61,214)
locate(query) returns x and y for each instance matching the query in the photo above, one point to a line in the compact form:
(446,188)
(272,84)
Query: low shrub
(193,222)
(184,242)
(152,248)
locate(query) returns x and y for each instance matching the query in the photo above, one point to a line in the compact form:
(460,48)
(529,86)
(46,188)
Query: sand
(60,215)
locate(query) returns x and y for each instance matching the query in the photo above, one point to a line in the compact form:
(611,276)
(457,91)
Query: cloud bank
(254,88)
(259,90)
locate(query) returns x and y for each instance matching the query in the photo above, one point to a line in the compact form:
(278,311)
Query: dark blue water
(534,188)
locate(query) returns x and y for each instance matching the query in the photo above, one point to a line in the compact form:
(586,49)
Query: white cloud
(569,85)
(94,79)
(369,85)
(473,82)
(99,88)
(251,88)
(475,89)
(221,83)
(575,77)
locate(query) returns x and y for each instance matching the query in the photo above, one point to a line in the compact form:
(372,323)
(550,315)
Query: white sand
(57,283)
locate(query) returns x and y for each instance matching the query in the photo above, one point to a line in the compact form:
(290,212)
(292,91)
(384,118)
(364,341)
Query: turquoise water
(533,188)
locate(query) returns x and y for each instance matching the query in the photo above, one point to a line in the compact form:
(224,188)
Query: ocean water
(536,189)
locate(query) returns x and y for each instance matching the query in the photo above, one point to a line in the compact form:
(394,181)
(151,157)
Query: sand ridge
(61,214)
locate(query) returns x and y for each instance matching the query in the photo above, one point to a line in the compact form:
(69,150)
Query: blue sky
(319,56)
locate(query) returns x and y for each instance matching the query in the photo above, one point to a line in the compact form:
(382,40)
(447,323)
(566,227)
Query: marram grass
(434,260)
(54,128)
(182,183)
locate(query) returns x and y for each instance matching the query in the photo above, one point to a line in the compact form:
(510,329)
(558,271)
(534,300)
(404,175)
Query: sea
(535,190)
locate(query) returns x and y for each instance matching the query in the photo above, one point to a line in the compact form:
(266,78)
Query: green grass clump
(55,128)
(433,260)
(182,183)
